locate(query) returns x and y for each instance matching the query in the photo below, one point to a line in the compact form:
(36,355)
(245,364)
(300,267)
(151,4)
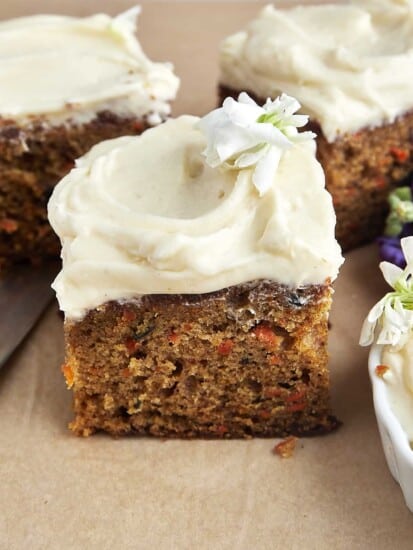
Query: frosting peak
(147,214)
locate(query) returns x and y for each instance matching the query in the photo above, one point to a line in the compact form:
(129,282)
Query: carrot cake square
(196,281)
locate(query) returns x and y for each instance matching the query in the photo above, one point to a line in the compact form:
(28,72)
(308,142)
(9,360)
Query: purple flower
(390,251)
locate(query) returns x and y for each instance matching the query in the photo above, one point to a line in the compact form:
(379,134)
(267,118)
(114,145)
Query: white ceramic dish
(397,450)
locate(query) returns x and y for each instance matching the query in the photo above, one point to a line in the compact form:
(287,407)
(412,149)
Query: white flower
(391,319)
(241,134)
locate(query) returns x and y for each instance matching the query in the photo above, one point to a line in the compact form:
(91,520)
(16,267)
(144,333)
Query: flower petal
(391,272)
(249,158)
(407,247)
(241,114)
(393,326)
(297,120)
(263,131)
(367,333)
(286,104)
(376,311)
(369,326)
(303,136)
(264,173)
(246,99)
(230,140)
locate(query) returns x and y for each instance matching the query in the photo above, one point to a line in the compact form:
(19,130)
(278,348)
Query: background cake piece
(352,72)
(196,302)
(66,83)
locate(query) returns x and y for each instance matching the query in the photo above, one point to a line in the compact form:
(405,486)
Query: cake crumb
(381,370)
(286,447)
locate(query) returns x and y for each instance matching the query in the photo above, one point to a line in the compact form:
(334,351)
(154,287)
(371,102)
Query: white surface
(397,450)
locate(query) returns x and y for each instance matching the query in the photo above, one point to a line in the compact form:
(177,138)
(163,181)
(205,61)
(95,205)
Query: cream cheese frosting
(399,383)
(66,67)
(350,66)
(144,215)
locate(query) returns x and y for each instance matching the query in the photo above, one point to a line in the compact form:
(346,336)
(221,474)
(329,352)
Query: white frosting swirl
(350,66)
(144,215)
(67,67)
(399,382)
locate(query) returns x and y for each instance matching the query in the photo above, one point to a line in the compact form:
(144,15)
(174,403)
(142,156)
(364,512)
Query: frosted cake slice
(196,279)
